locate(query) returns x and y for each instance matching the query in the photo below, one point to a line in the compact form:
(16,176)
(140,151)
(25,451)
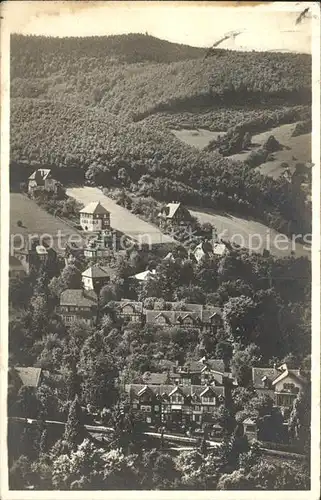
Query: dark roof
(137,306)
(259,373)
(166,389)
(79,297)
(189,307)
(210,312)
(44,173)
(166,363)
(29,376)
(198,366)
(155,378)
(171,317)
(98,271)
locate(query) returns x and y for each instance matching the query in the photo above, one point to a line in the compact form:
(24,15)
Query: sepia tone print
(160,248)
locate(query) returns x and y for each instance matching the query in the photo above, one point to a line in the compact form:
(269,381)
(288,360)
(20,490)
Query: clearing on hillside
(251,234)
(299,150)
(38,223)
(199,138)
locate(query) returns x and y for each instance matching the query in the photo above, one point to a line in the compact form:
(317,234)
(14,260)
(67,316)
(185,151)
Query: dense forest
(81,102)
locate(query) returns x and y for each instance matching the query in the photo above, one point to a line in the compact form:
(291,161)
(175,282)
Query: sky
(263,27)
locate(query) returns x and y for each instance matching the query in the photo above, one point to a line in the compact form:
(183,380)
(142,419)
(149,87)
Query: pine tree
(74,429)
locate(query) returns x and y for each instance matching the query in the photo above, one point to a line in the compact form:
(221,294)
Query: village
(181,397)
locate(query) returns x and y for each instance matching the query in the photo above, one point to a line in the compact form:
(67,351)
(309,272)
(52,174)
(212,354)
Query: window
(197,408)
(208,399)
(289,387)
(177,398)
(69,319)
(156,408)
(135,406)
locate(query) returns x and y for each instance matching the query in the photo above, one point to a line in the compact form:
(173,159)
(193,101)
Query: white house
(94,217)
(96,275)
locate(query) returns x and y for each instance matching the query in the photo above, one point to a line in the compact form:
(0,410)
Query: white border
(313,494)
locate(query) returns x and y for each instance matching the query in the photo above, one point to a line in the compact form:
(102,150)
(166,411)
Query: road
(251,234)
(121,218)
(170,437)
(101,429)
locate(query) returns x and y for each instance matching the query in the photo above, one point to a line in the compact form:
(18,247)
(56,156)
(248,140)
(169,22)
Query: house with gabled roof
(175,406)
(174,213)
(42,177)
(27,376)
(185,319)
(209,249)
(94,217)
(129,310)
(97,275)
(281,383)
(144,275)
(78,304)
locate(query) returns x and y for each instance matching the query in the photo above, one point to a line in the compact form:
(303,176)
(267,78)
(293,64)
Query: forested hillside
(84,102)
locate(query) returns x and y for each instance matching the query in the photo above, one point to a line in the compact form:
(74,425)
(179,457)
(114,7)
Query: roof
(144,275)
(44,172)
(249,421)
(137,306)
(169,256)
(170,210)
(163,391)
(290,373)
(210,313)
(259,373)
(95,207)
(41,250)
(188,307)
(274,375)
(79,297)
(166,363)
(202,249)
(29,376)
(219,248)
(198,366)
(155,378)
(171,317)
(98,271)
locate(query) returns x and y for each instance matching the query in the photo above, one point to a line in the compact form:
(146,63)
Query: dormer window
(266,382)
(177,398)
(208,399)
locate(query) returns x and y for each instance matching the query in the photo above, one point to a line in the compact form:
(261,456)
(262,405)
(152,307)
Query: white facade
(94,222)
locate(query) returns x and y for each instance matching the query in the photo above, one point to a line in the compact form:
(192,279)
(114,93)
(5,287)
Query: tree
(26,403)
(69,278)
(239,315)
(198,472)
(266,476)
(74,429)
(242,361)
(158,471)
(300,418)
(20,473)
